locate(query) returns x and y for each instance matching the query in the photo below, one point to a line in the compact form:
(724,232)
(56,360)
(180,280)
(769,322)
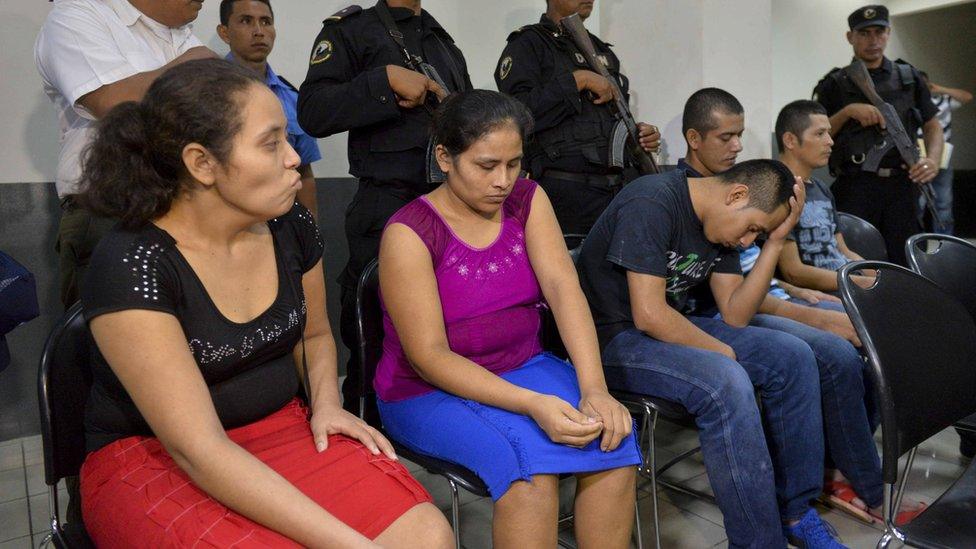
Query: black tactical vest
(854,140)
(585,135)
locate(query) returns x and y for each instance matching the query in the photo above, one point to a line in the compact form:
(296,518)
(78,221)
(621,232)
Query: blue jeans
(942,188)
(758,481)
(826,305)
(846,397)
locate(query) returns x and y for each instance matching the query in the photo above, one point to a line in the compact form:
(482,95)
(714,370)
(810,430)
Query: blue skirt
(501,447)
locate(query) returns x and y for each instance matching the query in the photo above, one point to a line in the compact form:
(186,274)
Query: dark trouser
(888,203)
(375,202)
(78,233)
(578,199)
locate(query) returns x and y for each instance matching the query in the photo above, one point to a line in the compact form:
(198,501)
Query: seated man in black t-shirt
(660,237)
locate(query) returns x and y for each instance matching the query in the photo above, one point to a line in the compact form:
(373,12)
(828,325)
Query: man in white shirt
(93,55)
(946,100)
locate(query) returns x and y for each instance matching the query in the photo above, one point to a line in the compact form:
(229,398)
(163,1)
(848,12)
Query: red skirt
(134,494)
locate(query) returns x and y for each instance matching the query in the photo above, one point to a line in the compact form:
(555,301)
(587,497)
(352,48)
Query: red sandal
(840,495)
(903,517)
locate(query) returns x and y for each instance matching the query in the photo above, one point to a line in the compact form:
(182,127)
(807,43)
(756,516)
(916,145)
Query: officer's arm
(519,74)
(337,94)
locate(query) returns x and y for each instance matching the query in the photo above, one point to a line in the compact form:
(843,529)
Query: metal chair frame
(54,465)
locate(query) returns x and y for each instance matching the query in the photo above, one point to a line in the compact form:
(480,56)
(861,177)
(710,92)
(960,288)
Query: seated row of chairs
(918,328)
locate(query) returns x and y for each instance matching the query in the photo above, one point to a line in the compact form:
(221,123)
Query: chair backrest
(369,326)
(951,264)
(862,237)
(63,384)
(921,343)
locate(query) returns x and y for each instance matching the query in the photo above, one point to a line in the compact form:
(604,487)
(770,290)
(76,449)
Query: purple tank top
(489,296)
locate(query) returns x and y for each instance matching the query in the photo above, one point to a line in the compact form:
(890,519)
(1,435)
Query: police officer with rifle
(585,135)
(378,73)
(876,106)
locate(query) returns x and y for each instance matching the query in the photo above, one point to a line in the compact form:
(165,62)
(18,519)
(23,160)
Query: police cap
(868,16)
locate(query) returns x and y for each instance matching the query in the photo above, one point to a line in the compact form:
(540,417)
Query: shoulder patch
(322,52)
(342,14)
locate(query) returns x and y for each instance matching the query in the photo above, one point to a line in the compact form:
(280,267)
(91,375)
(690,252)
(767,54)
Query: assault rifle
(894,134)
(417,64)
(626,127)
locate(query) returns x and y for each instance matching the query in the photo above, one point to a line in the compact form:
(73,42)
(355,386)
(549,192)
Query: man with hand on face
(853,477)
(358,81)
(887,199)
(569,153)
(248,27)
(93,55)
(659,238)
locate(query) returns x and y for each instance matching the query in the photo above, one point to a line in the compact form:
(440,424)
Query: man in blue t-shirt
(816,249)
(661,236)
(248,27)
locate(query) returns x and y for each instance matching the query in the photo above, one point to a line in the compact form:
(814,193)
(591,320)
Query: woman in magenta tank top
(464,272)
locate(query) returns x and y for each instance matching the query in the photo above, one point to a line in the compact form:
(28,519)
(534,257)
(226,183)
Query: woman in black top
(197,301)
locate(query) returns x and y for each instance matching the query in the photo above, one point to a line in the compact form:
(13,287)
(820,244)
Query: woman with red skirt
(203,301)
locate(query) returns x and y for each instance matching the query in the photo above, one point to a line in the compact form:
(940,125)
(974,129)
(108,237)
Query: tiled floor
(685,522)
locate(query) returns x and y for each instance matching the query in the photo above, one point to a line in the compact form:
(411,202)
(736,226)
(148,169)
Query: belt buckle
(884,172)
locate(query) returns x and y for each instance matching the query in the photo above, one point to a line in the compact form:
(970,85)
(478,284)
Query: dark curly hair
(464,118)
(133,169)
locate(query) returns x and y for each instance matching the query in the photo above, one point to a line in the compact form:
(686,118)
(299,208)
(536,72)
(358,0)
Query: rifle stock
(573,24)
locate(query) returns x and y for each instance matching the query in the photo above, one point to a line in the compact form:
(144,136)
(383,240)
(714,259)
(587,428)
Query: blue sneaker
(813,533)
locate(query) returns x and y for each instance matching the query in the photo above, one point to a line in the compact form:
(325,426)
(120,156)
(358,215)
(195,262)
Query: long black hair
(463,118)
(133,169)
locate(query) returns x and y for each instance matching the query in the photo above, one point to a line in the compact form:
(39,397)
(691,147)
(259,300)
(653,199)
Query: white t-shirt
(86,44)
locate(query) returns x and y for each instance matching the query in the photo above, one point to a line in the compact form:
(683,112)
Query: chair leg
(455,513)
(884,541)
(904,481)
(48,539)
(650,421)
(637,526)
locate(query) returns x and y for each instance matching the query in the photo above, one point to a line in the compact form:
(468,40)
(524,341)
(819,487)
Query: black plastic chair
(861,237)
(920,343)
(369,327)
(63,383)
(951,264)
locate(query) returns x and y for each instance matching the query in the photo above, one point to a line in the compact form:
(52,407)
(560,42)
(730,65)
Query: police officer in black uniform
(887,199)
(569,153)
(359,81)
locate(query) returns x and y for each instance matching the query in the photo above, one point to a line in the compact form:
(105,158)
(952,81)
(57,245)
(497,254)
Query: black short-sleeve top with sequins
(248,367)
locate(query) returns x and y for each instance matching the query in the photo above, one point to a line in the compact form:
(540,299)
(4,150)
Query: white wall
(766,52)
(809,40)
(947,56)
(671,48)
(29,142)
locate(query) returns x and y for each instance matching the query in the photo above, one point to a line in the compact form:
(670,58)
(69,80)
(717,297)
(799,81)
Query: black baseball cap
(868,16)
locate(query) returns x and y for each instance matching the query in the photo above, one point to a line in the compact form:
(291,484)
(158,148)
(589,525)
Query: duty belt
(595,179)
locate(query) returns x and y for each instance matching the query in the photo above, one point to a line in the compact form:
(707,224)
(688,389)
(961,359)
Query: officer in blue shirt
(247,26)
